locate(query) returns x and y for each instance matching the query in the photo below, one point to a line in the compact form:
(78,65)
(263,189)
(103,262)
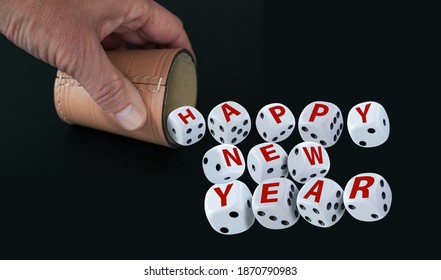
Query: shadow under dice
(186,125)
(267,160)
(368,197)
(308,160)
(368,124)
(223,163)
(275,122)
(274,203)
(229,123)
(320,202)
(228,208)
(321,122)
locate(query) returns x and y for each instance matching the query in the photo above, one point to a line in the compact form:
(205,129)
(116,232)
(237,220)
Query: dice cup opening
(181,88)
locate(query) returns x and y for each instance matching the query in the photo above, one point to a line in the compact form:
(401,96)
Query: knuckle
(109,96)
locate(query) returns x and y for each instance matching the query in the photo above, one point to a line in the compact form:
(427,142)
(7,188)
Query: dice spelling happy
(186,125)
(229,123)
(368,124)
(321,122)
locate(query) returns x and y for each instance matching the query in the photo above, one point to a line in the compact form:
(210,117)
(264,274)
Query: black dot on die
(290,126)
(381,183)
(234,140)
(384,122)
(261,213)
(362,143)
(253,167)
(275,139)
(245,122)
(270,170)
(292,188)
(352,207)
(212,132)
(173,130)
(302,207)
(249,203)
(264,135)
(291,195)
(189,131)
(200,136)
(205,160)
(234,214)
(331,126)
(335,138)
(296,151)
(218,167)
(262,115)
(338,132)
(221,128)
(321,223)
(293,172)
(296,213)
(335,120)
(245,134)
(336,206)
(303,180)
(283,167)
(338,115)
(285,223)
(239,131)
(189,141)
(283,132)
(234,129)
(383,195)
(224,230)
(338,194)
(385,208)
(304,128)
(289,202)
(308,218)
(323,171)
(375,216)
(341,126)
(273,218)
(313,175)
(316,211)
(211,120)
(329,205)
(200,125)
(371,130)
(314,136)
(227,178)
(334,217)
(222,140)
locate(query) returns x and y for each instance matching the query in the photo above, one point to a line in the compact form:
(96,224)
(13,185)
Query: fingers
(116,95)
(164,28)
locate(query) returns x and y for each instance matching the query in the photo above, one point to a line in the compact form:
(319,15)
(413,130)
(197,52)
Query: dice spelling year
(276,203)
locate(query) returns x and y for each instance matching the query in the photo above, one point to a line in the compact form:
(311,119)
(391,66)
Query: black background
(75,193)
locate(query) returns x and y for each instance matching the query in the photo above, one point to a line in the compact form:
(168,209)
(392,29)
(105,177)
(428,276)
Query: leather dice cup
(165,78)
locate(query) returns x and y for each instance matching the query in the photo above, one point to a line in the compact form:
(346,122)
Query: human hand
(72,35)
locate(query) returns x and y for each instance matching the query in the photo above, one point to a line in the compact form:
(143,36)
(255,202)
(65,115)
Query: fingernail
(130,118)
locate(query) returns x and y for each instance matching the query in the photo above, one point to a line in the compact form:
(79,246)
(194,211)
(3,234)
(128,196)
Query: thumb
(110,90)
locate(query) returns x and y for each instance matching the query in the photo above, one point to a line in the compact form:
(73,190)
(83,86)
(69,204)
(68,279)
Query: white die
(308,160)
(186,125)
(223,163)
(275,122)
(320,202)
(267,160)
(321,122)
(368,197)
(228,208)
(229,123)
(368,124)
(274,203)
